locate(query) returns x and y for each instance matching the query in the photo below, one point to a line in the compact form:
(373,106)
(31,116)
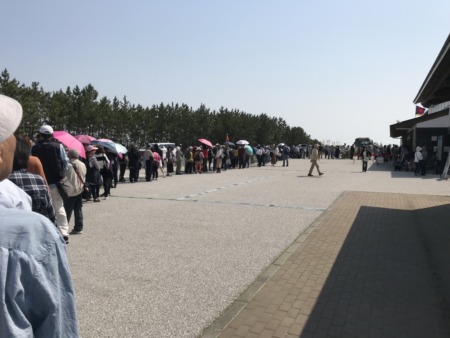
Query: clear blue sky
(338,69)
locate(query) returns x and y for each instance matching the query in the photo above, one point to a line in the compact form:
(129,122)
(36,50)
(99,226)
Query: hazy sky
(338,69)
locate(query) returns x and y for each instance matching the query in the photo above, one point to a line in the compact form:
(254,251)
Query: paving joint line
(233,310)
(185,200)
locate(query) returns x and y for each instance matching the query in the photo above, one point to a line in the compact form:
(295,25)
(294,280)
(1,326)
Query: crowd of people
(40,168)
(42,184)
(37,294)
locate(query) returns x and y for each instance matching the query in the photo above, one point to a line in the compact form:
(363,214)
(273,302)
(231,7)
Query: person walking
(314,159)
(365,158)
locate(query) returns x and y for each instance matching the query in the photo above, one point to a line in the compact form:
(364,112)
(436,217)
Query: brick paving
(372,265)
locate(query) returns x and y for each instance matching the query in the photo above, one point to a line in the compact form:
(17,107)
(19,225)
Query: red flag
(227,138)
(420,111)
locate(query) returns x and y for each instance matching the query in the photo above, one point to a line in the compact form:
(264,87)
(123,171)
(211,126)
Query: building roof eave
(401,128)
(436,87)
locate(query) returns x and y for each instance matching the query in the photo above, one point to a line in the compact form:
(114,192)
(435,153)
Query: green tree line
(81,111)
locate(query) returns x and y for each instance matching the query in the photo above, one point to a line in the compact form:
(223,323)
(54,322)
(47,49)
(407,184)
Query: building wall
(430,139)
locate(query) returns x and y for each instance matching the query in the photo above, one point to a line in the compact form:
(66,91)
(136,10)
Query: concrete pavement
(372,265)
(167,258)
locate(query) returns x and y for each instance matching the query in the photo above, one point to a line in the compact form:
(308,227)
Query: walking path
(167,258)
(372,265)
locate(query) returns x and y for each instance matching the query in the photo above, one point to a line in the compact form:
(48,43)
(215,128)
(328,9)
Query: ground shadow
(389,166)
(390,279)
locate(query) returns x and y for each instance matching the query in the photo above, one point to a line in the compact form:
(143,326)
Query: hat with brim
(10,116)
(46,130)
(91,148)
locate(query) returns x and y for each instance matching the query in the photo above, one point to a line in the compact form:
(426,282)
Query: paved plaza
(267,252)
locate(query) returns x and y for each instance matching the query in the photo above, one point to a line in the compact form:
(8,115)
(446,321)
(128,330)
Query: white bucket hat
(46,129)
(10,116)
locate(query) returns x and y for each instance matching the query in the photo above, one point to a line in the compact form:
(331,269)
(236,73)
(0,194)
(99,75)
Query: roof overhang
(436,87)
(402,128)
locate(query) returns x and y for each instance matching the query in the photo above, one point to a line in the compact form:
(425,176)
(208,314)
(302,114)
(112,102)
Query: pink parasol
(206,142)
(70,142)
(85,139)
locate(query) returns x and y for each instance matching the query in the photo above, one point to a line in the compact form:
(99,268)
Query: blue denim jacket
(36,292)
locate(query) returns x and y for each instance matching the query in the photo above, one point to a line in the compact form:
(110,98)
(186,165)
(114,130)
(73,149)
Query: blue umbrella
(116,148)
(248,149)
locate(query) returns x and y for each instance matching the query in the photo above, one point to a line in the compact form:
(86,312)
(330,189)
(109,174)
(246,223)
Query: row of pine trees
(81,111)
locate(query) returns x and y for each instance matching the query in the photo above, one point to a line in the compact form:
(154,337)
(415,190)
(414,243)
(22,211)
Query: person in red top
(156,165)
(205,159)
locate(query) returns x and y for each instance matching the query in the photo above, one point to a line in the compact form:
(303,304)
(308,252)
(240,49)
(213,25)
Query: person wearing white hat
(37,296)
(54,161)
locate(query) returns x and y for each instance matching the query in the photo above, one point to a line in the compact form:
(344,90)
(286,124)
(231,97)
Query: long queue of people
(94,177)
(38,297)
(42,185)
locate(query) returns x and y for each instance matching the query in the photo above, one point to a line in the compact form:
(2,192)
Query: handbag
(64,188)
(85,194)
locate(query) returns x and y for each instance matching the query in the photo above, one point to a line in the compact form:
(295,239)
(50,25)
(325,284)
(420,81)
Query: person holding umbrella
(198,160)
(93,177)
